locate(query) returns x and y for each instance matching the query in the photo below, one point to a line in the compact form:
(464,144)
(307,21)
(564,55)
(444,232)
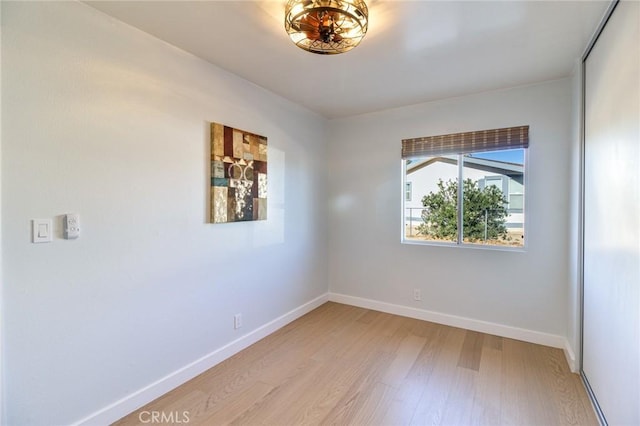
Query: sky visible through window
(508,156)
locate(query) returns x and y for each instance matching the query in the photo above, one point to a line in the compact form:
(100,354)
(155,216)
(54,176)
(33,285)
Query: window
(469,188)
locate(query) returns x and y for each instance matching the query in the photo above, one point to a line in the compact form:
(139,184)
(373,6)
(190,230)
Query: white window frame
(459,242)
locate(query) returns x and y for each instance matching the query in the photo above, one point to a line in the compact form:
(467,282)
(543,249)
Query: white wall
(526,290)
(105,121)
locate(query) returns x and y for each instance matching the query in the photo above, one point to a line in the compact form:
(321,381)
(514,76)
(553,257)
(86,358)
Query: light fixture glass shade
(326,27)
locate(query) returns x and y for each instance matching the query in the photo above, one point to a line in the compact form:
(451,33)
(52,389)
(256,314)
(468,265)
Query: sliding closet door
(611,310)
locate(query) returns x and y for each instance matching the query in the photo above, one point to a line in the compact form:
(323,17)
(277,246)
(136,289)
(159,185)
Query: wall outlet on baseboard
(237,321)
(417,295)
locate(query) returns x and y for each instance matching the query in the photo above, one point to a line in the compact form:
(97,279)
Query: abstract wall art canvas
(238,175)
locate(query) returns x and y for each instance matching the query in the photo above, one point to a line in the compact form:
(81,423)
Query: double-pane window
(466,188)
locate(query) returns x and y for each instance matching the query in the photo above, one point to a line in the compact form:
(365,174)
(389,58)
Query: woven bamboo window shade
(458,143)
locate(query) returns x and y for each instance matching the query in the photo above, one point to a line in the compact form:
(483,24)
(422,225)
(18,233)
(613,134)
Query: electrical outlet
(237,321)
(417,294)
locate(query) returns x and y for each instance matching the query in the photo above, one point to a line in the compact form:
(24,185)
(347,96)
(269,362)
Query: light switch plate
(41,230)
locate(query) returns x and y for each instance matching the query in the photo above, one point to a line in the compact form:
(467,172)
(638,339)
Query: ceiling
(414,51)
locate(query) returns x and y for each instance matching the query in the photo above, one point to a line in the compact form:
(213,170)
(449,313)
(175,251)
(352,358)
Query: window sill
(464,246)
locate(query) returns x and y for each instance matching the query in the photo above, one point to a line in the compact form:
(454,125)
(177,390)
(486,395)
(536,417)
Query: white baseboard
(571,357)
(132,402)
(525,335)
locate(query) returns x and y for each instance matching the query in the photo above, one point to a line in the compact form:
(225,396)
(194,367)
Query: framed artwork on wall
(238,175)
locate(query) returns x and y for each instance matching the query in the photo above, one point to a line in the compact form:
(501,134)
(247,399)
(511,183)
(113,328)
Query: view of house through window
(491,205)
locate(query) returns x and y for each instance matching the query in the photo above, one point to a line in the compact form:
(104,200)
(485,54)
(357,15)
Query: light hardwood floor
(344,365)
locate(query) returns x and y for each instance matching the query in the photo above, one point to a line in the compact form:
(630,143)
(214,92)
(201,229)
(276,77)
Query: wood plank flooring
(342,365)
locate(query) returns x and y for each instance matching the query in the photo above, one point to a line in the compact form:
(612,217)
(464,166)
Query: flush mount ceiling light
(326,27)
